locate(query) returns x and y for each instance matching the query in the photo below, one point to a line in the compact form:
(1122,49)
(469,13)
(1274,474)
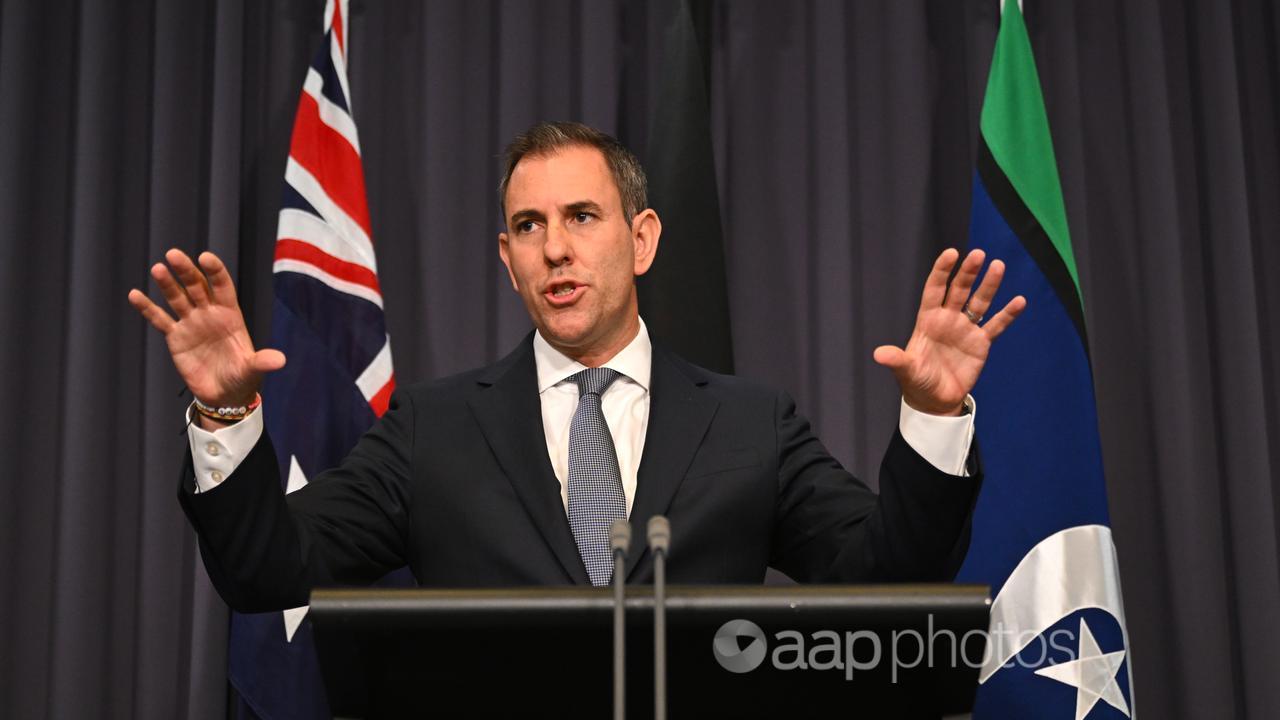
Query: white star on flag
(1092,673)
(293,616)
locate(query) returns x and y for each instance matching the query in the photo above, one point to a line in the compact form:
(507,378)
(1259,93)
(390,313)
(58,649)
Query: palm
(211,351)
(209,342)
(947,350)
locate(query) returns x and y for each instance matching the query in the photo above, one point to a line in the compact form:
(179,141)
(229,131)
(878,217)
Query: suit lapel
(510,416)
(679,413)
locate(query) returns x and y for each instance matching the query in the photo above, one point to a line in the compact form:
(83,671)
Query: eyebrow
(584,206)
(521,216)
(573,208)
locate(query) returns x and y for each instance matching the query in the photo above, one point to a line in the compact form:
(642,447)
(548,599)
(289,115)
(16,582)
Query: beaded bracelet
(228,414)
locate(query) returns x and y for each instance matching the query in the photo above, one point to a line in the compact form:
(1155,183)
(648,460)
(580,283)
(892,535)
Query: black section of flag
(1037,243)
(684,297)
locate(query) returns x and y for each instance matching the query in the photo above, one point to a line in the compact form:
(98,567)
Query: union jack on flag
(328,320)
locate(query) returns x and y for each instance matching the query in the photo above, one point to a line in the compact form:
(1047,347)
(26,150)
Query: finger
(221,288)
(897,360)
(265,361)
(174,294)
(1003,319)
(962,283)
(192,279)
(935,286)
(981,299)
(158,318)
(890,356)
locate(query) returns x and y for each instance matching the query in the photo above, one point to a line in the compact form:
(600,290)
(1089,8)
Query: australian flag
(327,319)
(1058,647)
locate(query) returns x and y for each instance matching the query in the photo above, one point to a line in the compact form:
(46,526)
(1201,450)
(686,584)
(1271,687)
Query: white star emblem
(297,478)
(293,616)
(1092,673)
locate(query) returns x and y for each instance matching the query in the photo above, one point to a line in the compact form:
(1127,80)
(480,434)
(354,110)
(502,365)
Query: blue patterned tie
(595,485)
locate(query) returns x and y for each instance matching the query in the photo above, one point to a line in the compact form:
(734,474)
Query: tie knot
(593,381)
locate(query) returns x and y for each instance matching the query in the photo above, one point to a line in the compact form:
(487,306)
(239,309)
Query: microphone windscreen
(620,535)
(659,534)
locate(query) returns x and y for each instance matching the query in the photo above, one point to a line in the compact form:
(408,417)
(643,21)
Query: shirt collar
(634,361)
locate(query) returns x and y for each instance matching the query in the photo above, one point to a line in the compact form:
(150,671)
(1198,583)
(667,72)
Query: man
(511,474)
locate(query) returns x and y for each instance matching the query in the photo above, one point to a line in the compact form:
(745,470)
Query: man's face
(572,255)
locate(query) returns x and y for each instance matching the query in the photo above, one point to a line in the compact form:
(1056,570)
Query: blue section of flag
(319,414)
(1036,421)
(349,329)
(274,678)
(294,201)
(1037,428)
(332,89)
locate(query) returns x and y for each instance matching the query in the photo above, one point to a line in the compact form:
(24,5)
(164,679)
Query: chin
(566,331)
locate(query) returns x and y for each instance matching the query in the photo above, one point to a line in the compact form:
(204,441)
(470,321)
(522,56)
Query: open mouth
(563,292)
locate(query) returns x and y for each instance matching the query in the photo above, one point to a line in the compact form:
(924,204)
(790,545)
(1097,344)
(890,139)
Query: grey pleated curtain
(844,137)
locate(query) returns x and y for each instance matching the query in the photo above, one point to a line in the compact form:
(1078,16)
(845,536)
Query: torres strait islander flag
(327,319)
(1057,646)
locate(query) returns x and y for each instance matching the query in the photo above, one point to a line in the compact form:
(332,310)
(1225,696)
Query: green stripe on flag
(1016,129)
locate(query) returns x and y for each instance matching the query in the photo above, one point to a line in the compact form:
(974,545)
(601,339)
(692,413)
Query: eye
(583,218)
(526,227)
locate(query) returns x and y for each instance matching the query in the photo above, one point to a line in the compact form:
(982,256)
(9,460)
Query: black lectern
(784,652)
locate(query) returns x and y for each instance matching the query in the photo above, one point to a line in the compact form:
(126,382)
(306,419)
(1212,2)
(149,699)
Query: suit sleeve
(831,527)
(266,551)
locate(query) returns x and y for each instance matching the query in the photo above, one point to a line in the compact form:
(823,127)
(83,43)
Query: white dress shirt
(625,404)
(943,441)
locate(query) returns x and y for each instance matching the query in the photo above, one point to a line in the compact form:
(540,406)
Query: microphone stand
(619,542)
(659,532)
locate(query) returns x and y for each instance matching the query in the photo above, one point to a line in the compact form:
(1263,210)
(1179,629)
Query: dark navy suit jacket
(454,481)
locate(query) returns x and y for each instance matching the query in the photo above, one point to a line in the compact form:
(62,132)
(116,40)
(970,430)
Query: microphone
(619,543)
(659,531)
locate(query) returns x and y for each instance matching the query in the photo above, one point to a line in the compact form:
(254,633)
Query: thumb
(891,356)
(265,361)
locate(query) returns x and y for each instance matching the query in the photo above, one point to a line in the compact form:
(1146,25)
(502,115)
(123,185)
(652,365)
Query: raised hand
(950,342)
(209,341)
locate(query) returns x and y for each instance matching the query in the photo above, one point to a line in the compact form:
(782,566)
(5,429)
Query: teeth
(562,291)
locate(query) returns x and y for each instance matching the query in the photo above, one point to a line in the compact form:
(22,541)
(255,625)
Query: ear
(505,253)
(646,228)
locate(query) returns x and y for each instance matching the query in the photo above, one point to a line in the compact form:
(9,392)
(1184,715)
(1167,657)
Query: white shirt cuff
(215,455)
(942,440)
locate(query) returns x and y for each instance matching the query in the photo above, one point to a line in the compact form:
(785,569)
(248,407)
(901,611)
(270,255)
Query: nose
(558,248)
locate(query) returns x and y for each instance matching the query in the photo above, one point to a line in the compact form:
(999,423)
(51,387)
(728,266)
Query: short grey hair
(547,138)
